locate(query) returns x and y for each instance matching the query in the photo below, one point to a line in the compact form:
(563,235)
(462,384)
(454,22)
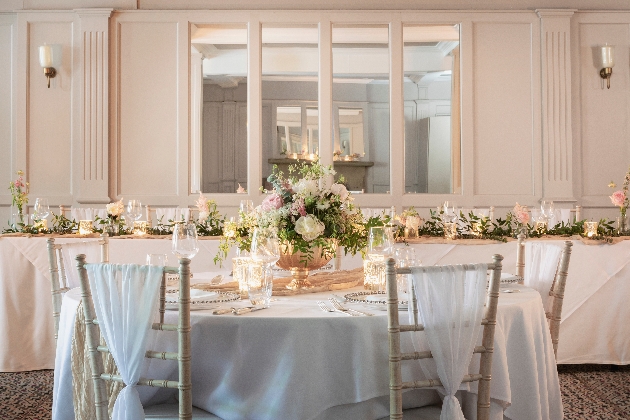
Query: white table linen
(294,361)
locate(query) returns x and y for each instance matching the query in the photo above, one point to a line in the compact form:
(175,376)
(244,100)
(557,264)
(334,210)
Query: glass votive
(371,274)
(157,259)
(450,230)
(140,227)
(541,226)
(410,233)
(476,229)
(239,268)
(259,284)
(85,227)
(590,229)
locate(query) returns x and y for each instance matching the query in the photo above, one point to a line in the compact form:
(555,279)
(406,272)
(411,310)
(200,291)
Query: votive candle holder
(140,227)
(590,229)
(85,227)
(450,230)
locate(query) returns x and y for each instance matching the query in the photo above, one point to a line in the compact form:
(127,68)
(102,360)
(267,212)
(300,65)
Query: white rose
(413,222)
(306,187)
(203,215)
(115,209)
(309,227)
(340,190)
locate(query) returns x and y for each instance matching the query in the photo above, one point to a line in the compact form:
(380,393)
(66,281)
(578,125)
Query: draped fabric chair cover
(165,214)
(69,251)
(78,213)
(125,300)
(450,303)
(541,262)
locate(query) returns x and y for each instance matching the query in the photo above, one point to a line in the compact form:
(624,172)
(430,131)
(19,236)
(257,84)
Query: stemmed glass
(134,209)
(41,209)
(449,209)
(265,251)
(547,209)
(184,242)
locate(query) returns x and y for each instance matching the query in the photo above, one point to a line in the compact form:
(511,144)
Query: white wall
(529,129)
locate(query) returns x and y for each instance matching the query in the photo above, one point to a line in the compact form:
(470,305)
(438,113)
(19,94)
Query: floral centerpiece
(114,211)
(620,199)
(522,218)
(411,221)
(311,214)
(210,220)
(19,194)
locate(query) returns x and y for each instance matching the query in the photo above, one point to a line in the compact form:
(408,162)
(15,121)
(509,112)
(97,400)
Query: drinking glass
(265,246)
(134,209)
(450,211)
(259,284)
(547,209)
(41,209)
(380,242)
(157,259)
(184,242)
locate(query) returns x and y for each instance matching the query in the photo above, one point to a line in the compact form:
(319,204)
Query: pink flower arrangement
(521,214)
(618,198)
(272,202)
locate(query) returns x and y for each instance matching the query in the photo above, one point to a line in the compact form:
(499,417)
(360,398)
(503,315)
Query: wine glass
(265,247)
(184,242)
(41,209)
(450,211)
(547,209)
(134,209)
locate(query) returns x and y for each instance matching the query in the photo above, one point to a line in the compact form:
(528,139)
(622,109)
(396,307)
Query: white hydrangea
(309,227)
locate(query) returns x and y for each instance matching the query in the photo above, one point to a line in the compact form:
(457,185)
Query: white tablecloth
(595,299)
(294,361)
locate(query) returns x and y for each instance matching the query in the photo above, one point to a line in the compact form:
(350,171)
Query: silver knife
(223,311)
(247,310)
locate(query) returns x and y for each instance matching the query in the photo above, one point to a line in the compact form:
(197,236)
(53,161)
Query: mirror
(361,106)
(223,135)
(432,116)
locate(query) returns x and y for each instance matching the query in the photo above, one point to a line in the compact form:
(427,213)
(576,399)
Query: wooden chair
(557,286)
(58,278)
(396,385)
(184,409)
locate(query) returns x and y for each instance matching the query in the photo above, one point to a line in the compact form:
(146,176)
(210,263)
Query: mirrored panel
(224,110)
(432,109)
(290,66)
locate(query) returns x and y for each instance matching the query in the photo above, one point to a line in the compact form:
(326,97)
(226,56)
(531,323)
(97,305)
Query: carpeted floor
(589,392)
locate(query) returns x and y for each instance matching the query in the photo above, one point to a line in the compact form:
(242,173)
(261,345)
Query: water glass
(449,209)
(134,209)
(184,242)
(157,259)
(265,246)
(547,209)
(380,242)
(259,284)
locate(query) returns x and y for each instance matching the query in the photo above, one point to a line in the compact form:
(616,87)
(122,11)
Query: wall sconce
(49,58)
(607,62)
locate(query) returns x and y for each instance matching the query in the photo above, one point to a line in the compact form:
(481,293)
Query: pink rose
(522,216)
(298,207)
(618,198)
(272,202)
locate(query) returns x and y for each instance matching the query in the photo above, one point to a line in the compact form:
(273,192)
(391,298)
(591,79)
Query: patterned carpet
(589,392)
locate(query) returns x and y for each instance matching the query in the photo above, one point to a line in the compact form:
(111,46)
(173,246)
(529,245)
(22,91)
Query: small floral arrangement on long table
(19,195)
(308,209)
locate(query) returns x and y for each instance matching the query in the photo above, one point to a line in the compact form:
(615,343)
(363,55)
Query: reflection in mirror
(361,106)
(224,118)
(432,109)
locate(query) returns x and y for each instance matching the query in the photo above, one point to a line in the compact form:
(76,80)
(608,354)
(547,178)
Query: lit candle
(590,229)
(45,56)
(239,269)
(85,227)
(41,224)
(450,230)
(140,227)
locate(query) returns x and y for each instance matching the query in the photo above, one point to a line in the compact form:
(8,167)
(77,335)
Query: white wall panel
(148,110)
(7,139)
(49,113)
(504,131)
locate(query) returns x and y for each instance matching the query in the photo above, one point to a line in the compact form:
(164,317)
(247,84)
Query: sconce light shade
(607,62)
(49,58)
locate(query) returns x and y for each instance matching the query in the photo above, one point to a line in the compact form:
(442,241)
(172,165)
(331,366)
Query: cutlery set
(338,307)
(237,311)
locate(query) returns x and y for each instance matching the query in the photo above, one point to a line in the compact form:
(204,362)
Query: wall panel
(503,89)
(7,139)
(148,110)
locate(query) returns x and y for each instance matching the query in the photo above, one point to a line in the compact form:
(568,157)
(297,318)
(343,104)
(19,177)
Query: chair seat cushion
(171,412)
(430,412)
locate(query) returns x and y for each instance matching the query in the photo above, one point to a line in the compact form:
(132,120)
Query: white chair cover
(541,262)
(171,213)
(450,303)
(69,251)
(78,213)
(126,299)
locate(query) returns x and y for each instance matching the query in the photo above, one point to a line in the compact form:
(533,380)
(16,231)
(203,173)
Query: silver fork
(322,305)
(340,307)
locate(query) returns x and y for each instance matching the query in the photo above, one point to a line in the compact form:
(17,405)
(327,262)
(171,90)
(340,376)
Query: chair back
(61,254)
(395,329)
(557,292)
(182,356)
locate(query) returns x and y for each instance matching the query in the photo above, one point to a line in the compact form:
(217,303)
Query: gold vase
(300,266)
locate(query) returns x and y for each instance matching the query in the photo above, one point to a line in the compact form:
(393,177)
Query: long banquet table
(293,361)
(598,283)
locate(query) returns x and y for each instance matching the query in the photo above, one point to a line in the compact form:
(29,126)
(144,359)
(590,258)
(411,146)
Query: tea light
(85,227)
(541,226)
(41,224)
(476,229)
(372,274)
(590,229)
(450,230)
(140,227)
